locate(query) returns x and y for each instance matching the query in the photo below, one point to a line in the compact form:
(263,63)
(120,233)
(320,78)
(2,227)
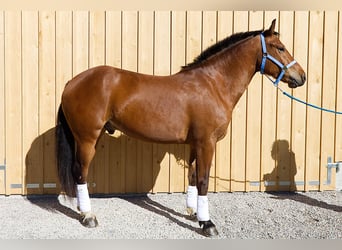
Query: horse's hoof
(89,220)
(192,213)
(209,228)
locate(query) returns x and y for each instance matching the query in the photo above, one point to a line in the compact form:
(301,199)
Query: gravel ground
(254,215)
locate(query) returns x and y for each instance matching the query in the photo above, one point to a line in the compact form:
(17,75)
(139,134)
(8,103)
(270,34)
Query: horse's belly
(151,130)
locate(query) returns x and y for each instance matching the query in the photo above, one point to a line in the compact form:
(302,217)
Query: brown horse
(193,106)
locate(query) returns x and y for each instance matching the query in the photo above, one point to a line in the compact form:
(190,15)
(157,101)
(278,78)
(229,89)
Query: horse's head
(277,62)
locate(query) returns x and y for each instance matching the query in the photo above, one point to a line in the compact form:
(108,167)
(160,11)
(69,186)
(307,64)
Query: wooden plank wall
(272,143)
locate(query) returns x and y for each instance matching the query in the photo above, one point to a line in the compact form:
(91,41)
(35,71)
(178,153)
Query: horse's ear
(270,30)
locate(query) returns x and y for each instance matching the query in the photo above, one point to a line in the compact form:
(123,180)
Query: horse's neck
(237,67)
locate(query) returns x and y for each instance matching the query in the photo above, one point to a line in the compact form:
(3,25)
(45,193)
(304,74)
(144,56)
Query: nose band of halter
(266,56)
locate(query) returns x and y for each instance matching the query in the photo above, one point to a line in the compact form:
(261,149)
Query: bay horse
(193,106)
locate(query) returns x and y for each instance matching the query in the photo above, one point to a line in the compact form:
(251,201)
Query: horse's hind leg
(84,154)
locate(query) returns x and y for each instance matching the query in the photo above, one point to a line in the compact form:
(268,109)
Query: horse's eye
(281,49)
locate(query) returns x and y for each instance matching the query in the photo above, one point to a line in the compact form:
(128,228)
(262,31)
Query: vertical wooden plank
(209,28)
(313,129)
(113,38)
(253,133)
(80,43)
(209,32)
(223,157)
(146,42)
(63,53)
(238,149)
(2,102)
(116,171)
(178,175)
(47,101)
(269,124)
(178,41)
(194,35)
(162,47)
(100,163)
(285,173)
(129,40)
(338,124)
(328,93)
(116,174)
(298,147)
(32,145)
(130,62)
(96,38)
(13,103)
(145,179)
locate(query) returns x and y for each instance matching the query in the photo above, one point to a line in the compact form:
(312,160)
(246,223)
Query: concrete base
(339,177)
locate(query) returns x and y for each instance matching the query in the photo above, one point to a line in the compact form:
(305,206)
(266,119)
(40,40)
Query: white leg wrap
(202,208)
(191,199)
(83,200)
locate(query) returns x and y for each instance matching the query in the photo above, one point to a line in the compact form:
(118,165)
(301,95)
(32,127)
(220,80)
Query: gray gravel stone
(254,215)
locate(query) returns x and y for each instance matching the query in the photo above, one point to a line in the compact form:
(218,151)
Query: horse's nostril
(303,78)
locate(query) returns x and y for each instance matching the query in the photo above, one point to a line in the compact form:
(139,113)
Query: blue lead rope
(284,68)
(306,103)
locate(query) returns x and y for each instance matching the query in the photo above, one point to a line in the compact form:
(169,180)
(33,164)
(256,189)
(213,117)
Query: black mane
(219,46)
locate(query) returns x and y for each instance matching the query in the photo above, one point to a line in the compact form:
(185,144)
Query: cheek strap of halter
(266,56)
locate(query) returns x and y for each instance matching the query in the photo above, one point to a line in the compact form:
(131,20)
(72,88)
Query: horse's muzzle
(295,82)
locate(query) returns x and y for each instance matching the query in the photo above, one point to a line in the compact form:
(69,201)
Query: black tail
(65,146)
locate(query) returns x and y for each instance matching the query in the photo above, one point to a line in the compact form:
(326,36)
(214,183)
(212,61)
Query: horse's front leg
(204,156)
(192,194)
(85,153)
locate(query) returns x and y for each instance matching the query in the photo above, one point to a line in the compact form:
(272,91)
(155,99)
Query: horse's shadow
(302,198)
(145,202)
(41,165)
(53,204)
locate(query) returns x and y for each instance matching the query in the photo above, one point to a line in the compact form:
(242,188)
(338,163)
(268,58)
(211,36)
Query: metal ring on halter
(266,56)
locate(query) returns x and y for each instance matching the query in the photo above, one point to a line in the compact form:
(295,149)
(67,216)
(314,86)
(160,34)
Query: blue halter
(266,56)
